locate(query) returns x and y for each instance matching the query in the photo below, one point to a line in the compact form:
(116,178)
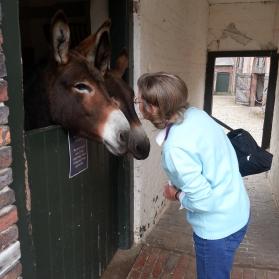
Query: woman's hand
(169,192)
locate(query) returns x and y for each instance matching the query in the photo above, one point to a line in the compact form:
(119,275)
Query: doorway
(249,88)
(222,83)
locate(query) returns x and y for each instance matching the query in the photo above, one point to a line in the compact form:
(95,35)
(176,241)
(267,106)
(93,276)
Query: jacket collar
(163,135)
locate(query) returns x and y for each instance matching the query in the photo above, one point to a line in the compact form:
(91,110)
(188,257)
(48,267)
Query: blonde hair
(167,92)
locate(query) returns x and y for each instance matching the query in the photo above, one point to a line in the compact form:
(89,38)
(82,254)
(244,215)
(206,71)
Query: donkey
(117,88)
(138,141)
(74,91)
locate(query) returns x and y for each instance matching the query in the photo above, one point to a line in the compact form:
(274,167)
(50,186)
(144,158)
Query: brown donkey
(74,92)
(118,89)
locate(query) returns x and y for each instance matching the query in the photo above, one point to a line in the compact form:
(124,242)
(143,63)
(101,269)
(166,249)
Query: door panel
(222,83)
(74,221)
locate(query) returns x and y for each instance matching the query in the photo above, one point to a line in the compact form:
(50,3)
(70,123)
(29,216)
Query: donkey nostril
(142,150)
(123,137)
(138,148)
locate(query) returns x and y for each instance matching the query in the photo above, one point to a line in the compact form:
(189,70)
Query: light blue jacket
(200,160)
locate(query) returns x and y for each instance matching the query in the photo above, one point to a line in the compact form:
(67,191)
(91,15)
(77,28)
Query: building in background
(244,77)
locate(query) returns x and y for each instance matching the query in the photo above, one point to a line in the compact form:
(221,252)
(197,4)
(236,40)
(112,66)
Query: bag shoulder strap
(222,123)
(167,131)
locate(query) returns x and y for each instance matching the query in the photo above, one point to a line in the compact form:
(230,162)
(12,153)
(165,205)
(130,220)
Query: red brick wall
(10,267)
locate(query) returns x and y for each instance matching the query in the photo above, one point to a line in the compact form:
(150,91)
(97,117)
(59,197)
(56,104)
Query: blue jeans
(214,258)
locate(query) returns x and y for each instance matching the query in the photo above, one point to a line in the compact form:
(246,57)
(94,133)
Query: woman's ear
(148,110)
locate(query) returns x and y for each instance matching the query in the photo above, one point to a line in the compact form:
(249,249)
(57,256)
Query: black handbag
(252,158)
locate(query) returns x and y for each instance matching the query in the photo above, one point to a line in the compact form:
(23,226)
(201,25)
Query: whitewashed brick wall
(242,26)
(168,36)
(274,145)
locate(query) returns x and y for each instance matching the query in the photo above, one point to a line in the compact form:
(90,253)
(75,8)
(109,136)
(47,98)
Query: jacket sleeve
(185,172)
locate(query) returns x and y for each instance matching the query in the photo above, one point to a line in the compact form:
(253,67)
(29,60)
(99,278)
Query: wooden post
(253,88)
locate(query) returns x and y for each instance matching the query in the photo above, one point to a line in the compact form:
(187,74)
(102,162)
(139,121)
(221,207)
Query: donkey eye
(83,88)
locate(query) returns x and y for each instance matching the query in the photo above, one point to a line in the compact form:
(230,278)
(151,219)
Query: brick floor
(161,263)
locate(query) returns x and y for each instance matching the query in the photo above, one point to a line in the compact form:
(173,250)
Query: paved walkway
(238,116)
(168,250)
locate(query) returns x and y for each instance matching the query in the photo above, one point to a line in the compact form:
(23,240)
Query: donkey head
(139,144)
(117,88)
(77,94)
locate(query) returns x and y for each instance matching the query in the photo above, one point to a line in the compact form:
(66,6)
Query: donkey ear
(103,53)
(60,37)
(96,48)
(121,63)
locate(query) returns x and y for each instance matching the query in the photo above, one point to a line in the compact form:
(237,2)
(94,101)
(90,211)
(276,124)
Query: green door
(74,220)
(222,82)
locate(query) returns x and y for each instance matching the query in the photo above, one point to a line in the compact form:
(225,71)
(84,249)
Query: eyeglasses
(138,100)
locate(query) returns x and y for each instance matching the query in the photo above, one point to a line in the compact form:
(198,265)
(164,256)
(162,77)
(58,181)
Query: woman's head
(164,98)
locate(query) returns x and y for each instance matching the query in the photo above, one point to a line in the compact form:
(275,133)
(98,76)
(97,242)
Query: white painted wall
(168,36)
(242,26)
(274,145)
(274,148)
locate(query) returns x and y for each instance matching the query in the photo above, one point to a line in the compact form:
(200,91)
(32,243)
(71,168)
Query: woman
(200,161)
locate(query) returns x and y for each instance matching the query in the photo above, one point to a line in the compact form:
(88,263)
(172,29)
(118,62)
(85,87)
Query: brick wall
(10,267)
